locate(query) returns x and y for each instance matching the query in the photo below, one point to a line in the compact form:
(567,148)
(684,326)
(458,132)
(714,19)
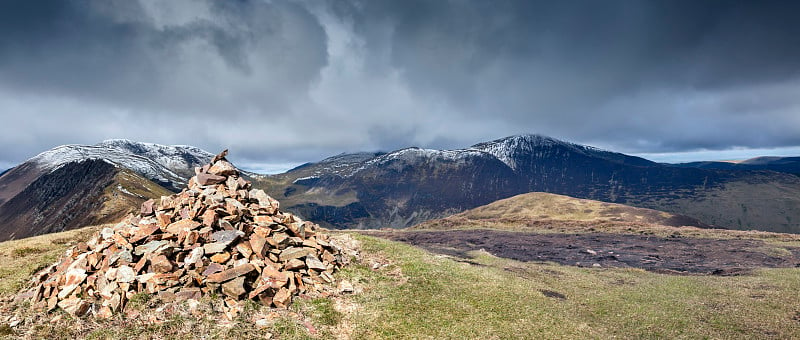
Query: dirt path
(669,255)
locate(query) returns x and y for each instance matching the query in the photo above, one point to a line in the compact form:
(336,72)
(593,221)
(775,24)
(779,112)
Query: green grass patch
(437,297)
(323,312)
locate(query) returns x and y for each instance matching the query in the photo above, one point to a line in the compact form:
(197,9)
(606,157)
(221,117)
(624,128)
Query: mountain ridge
(170,165)
(58,189)
(789,165)
(408,186)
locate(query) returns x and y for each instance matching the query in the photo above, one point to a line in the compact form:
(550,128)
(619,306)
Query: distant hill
(540,208)
(58,189)
(409,186)
(789,165)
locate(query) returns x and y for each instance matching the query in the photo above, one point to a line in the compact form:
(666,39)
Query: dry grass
(550,213)
(19,259)
(562,208)
(136,188)
(439,298)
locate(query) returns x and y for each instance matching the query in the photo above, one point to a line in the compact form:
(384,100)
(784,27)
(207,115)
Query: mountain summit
(514,150)
(168,165)
(408,186)
(70,186)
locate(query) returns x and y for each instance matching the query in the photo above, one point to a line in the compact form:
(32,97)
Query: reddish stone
(188,293)
(231,273)
(234,288)
(121,241)
(295,252)
(204,179)
(161,264)
(213,268)
(163,219)
(140,265)
(143,232)
(191,238)
(273,277)
(221,257)
(295,264)
(282,298)
(258,245)
(184,213)
(223,168)
(186,224)
(244,249)
(210,218)
(147,207)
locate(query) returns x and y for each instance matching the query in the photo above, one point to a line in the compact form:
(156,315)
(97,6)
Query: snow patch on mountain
(507,149)
(510,148)
(163,163)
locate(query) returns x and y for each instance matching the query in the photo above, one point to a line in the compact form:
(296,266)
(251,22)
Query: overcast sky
(286,82)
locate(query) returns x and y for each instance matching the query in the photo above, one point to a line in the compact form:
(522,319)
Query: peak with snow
(510,149)
(166,164)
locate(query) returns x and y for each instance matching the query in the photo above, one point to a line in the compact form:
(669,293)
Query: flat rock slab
(295,252)
(674,255)
(182,225)
(226,237)
(232,273)
(153,248)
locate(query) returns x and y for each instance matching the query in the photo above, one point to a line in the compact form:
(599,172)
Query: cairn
(218,236)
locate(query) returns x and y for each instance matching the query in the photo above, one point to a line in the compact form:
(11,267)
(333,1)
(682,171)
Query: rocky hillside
(74,185)
(409,186)
(74,195)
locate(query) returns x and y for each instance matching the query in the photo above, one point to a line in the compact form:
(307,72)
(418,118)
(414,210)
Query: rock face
(216,236)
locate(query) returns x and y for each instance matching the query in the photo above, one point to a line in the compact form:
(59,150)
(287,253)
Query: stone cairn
(217,235)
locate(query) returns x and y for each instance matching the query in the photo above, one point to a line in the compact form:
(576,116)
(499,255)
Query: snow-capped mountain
(71,186)
(410,185)
(168,165)
(511,150)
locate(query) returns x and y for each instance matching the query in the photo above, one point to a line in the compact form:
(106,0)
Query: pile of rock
(218,235)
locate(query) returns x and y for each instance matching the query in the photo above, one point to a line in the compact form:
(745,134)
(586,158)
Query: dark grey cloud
(293,81)
(588,69)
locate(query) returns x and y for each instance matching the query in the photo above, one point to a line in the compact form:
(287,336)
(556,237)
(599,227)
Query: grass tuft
(25,251)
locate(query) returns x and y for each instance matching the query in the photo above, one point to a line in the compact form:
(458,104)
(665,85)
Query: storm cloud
(283,82)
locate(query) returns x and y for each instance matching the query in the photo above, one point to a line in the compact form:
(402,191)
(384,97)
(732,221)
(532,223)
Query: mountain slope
(76,194)
(168,165)
(789,165)
(74,185)
(409,186)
